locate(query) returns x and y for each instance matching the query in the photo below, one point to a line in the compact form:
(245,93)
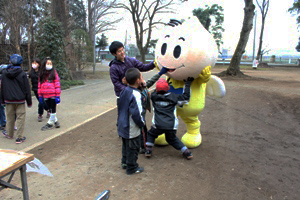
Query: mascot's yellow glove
(156,65)
(205,74)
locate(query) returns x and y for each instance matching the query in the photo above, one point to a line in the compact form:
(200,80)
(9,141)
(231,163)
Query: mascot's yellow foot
(191,140)
(161,140)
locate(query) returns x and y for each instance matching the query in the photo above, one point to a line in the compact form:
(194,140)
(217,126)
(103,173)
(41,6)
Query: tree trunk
(14,38)
(29,35)
(59,11)
(143,56)
(207,24)
(4,33)
(234,66)
(91,15)
(15,27)
(260,40)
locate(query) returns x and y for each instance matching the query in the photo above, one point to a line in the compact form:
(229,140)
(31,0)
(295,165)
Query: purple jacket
(118,69)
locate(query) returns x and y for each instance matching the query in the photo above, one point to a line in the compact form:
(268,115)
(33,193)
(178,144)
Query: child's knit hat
(16,59)
(162,85)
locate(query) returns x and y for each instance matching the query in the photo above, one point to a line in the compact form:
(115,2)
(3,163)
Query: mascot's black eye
(163,49)
(177,51)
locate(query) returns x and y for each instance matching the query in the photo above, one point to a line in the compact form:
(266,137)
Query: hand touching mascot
(188,50)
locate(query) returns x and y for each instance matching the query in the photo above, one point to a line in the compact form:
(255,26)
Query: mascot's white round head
(185,48)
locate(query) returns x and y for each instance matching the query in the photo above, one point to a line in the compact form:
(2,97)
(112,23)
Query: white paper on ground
(37,166)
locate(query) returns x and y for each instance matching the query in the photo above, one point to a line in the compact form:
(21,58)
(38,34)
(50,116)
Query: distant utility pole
(254,36)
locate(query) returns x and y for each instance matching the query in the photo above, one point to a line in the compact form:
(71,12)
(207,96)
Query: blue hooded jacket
(130,109)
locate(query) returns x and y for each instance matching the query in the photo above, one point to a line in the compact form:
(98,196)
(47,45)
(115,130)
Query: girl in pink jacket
(49,91)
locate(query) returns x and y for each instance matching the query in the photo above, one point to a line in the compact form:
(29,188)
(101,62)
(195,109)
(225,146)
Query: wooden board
(10,160)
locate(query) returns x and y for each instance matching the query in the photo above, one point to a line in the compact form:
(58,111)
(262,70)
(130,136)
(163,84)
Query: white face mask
(48,67)
(34,66)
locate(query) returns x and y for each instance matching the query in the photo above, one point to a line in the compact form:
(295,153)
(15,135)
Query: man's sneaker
(124,166)
(187,154)
(20,140)
(47,127)
(5,135)
(40,118)
(137,171)
(56,124)
(148,153)
(48,114)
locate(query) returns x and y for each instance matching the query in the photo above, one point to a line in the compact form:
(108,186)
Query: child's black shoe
(57,124)
(148,153)
(137,171)
(47,127)
(187,154)
(123,165)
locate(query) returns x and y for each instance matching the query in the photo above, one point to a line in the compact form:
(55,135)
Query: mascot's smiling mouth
(171,70)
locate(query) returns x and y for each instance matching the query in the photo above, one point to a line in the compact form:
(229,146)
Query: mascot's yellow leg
(161,140)
(192,138)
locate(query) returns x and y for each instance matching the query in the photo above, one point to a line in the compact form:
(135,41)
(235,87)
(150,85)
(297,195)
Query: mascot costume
(186,49)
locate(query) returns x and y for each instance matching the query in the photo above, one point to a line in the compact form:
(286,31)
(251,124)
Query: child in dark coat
(15,92)
(34,77)
(130,121)
(147,105)
(165,119)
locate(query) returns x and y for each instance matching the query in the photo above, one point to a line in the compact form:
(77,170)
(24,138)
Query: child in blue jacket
(130,121)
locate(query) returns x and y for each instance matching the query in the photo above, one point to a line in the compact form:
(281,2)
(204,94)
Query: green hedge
(66,84)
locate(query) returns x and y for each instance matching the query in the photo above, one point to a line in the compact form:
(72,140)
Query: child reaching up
(145,94)
(164,117)
(49,91)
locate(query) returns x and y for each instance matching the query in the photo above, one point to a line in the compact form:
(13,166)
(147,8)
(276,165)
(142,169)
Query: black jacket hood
(13,72)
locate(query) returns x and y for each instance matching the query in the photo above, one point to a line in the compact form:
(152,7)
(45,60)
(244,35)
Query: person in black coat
(34,76)
(2,108)
(164,118)
(15,92)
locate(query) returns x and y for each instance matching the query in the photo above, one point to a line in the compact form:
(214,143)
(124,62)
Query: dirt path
(250,150)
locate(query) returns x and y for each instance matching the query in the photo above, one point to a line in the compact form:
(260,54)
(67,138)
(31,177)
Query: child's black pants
(171,137)
(130,151)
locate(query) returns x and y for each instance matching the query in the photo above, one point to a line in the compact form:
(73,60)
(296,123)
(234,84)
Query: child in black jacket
(15,92)
(165,119)
(145,94)
(34,76)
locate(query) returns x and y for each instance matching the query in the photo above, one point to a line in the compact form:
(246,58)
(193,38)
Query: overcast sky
(280,27)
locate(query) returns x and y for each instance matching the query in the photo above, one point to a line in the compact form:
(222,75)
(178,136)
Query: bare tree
(99,17)
(3,21)
(143,13)
(30,26)
(14,15)
(234,66)
(264,7)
